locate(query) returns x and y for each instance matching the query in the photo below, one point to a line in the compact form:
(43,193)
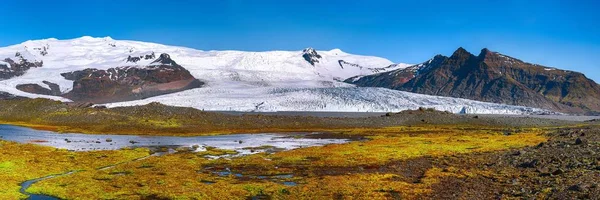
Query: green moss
(7,166)
(170,123)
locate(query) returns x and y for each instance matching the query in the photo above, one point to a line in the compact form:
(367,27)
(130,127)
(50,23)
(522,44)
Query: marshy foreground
(421,154)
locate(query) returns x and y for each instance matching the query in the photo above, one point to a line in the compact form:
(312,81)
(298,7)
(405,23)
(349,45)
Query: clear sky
(563,34)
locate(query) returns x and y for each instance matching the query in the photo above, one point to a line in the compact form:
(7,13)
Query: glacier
(241,81)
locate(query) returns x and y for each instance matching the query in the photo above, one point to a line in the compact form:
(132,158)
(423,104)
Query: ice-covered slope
(235,80)
(338,99)
(264,68)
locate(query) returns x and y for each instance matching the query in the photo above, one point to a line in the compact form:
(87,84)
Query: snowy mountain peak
(309,50)
(86,38)
(90,38)
(337,51)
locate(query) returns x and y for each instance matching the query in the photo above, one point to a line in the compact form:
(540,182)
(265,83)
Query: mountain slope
(103,70)
(262,68)
(493,77)
(161,76)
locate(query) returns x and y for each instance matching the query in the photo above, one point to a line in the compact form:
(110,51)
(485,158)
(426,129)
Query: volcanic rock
(493,77)
(162,76)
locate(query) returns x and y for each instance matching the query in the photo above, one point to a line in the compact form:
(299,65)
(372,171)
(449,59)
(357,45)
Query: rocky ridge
(493,77)
(162,76)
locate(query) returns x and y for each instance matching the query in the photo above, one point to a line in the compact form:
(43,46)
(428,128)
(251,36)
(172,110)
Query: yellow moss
(400,146)
(21,162)
(185,175)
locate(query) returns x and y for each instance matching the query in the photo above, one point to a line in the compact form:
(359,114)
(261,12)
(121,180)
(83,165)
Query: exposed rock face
(165,59)
(494,77)
(344,64)
(37,89)
(130,83)
(396,78)
(43,51)
(11,68)
(8,96)
(136,59)
(311,56)
(162,76)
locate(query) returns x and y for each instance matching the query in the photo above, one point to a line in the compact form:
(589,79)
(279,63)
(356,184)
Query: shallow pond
(242,143)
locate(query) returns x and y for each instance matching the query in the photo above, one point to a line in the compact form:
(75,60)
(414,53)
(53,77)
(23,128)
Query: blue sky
(561,34)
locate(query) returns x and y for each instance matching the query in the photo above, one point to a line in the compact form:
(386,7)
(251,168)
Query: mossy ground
(365,169)
(21,162)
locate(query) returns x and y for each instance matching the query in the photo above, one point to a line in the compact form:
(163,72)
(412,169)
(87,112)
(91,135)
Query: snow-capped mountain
(263,68)
(307,80)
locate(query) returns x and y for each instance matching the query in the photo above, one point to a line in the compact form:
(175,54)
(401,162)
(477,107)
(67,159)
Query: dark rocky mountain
(17,67)
(136,59)
(165,59)
(37,89)
(8,96)
(128,83)
(311,56)
(396,78)
(493,77)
